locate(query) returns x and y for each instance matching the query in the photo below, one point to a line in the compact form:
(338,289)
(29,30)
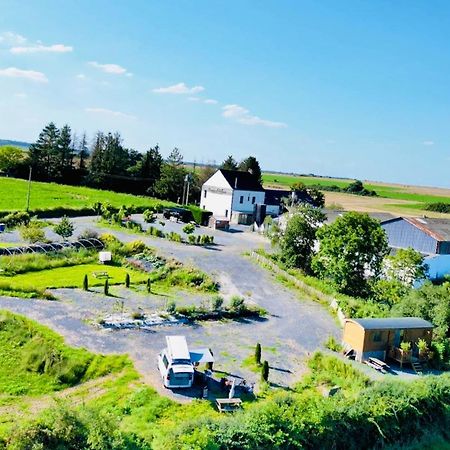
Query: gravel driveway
(294,327)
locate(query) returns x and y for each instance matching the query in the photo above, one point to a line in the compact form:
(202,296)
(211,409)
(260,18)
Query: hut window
(376,336)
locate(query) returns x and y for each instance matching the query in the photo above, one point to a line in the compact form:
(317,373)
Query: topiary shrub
(258,354)
(265,372)
(85,283)
(127,280)
(106,287)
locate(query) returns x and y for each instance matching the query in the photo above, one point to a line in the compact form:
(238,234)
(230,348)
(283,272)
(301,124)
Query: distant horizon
(354,88)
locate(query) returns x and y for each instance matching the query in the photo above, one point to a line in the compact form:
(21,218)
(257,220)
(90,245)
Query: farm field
(13,195)
(393,198)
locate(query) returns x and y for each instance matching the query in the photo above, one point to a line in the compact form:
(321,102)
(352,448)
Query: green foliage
(35,360)
(149,286)
(199,215)
(258,353)
(127,280)
(175,237)
(85,283)
(171,307)
(10,157)
(189,228)
(171,182)
(265,372)
(149,216)
(153,231)
(191,239)
(64,228)
(251,164)
(406,266)
(32,233)
(441,207)
(237,304)
(216,303)
(297,241)
(229,164)
(405,346)
(106,287)
(15,219)
(349,247)
(332,344)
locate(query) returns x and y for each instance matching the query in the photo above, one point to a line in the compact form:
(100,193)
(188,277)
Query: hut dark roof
(393,323)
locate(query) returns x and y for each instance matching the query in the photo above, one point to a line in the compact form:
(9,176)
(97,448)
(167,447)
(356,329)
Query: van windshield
(182,361)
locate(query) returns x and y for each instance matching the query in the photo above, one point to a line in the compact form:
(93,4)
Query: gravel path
(294,327)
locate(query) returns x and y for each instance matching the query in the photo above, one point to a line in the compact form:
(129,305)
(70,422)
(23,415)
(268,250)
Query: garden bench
(100,274)
(228,404)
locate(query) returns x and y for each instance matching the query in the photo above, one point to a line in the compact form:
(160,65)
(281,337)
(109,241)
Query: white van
(175,365)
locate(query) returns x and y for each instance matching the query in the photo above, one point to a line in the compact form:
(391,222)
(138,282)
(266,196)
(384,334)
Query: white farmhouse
(232,194)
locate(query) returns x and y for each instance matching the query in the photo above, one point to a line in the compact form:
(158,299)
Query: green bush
(32,234)
(189,228)
(171,307)
(332,344)
(191,239)
(258,353)
(15,219)
(216,303)
(265,372)
(172,236)
(85,283)
(237,304)
(441,207)
(149,216)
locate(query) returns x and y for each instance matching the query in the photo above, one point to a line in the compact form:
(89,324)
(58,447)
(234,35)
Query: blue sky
(354,89)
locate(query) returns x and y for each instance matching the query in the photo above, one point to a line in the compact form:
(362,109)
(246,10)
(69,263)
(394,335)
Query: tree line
(60,156)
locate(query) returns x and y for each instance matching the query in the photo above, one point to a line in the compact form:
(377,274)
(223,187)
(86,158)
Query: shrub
(191,239)
(441,207)
(216,303)
(171,307)
(237,304)
(265,372)
(85,283)
(64,228)
(405,346)
(137,315)
(172,236)
(148,216)
(189,228)
(16,219)
(127,280)
(106,287)
(32,233)
(258,353)
(134,247)
(149,285)
(88,234)
(332,344)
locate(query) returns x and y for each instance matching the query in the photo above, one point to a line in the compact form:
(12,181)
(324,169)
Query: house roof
(392,323)
(333,214)
(438,229)
(243,181)
(274,196)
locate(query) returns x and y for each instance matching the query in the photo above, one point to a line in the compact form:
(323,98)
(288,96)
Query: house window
(376,337)
(204,207)
(241,199)
(226,213)
(253,200)
(204,194)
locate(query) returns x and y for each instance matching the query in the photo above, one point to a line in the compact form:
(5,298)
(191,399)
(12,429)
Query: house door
(398,337)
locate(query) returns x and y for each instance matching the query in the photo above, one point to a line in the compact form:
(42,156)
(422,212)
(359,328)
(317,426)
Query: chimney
(235,183)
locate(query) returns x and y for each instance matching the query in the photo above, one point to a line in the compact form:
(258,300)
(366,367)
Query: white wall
(219,203)
(247,204)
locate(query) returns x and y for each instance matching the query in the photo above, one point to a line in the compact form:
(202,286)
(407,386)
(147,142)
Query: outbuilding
(379,338)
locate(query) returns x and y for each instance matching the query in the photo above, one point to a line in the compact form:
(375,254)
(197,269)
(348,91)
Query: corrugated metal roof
(438,229)
(393,323)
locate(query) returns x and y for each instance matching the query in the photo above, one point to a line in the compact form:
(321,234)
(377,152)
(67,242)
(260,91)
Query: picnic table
(377,364)
(228,404)
(100,274)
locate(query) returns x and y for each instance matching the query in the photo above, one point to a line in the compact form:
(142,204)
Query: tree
(150,167)
(297,241)
(83,152)
(85,283)
(317,197)
(64,153)
(10,157)
(171,183)
(251,165)
(229,164)
(351,251)
(64,228)
(42,154)
(258,354)
(406,266)
(265,372)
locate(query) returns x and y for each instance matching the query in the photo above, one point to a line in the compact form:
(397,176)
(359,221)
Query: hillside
(13,195)
(20,144)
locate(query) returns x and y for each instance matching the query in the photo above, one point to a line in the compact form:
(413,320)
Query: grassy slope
(35,360)
(13,194)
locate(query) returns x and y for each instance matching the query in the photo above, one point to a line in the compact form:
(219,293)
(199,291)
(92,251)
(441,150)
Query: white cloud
(13,72)
(243,116)
(81,76)
(9,38)
(55,48)
(211,101)
(109,112)
(20,95)
(110,68)
(428,143)
(179,88)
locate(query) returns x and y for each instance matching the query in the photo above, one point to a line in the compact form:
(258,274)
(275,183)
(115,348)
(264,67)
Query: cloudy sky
(352,88)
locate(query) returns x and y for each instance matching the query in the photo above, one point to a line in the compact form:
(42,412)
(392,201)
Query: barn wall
(402,234)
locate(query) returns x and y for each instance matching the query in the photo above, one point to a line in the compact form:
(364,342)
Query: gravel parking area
(294,327)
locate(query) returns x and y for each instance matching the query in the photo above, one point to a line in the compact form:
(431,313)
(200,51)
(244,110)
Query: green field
(13,196)
(385,191)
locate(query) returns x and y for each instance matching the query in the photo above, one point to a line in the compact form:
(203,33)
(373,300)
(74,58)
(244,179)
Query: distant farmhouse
(240,198)
(431,237)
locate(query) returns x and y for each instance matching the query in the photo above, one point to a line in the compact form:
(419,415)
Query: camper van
(175,365)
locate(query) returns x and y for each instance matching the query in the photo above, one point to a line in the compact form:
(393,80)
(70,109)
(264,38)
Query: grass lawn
(68,277)
(13,194)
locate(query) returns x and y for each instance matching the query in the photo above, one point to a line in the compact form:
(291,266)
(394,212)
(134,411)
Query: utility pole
(29,188)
